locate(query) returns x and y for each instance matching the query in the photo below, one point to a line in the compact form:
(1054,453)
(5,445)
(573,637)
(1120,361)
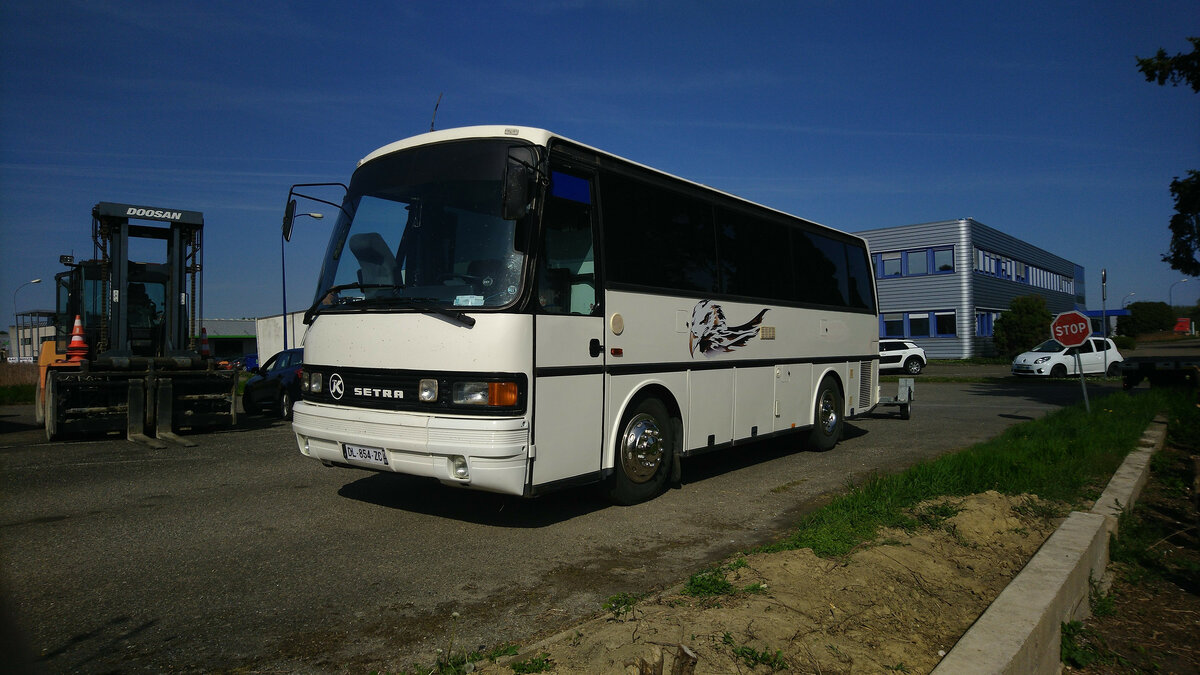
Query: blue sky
(1030,117)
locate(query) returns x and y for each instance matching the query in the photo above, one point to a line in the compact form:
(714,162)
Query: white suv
(901,354)
(1054,360)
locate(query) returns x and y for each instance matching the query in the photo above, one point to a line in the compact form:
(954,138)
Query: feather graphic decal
(711,336)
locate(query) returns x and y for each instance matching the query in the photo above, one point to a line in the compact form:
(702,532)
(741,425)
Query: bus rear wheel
(645,451)
(827,418)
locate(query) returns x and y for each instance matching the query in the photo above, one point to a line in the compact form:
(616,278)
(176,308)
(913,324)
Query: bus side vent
(864,383)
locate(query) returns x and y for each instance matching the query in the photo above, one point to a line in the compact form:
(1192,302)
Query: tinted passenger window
(755,257)
(656,237)
(821,265)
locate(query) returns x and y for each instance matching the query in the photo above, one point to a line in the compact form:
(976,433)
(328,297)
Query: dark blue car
(275,385)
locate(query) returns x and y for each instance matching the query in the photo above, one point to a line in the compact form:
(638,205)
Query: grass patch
(623,603)
(17,394)
(534,664)
(1060,457)
(753,657)
(18,383)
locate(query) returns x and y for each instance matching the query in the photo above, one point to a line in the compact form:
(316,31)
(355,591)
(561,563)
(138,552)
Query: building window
(945,324)
(890,266)
(943,260)
(893,325)
(918,325)
(985,322)
(918,262)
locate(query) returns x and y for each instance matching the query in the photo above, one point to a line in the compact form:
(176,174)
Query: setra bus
(504,309)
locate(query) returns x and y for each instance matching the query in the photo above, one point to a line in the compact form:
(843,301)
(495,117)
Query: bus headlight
(313,382)
(502,394)
(427,390)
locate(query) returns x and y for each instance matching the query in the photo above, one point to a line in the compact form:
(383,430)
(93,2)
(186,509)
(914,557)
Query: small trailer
(1160,370)
(905,395)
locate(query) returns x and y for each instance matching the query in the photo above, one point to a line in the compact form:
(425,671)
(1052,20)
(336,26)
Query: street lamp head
(35,281)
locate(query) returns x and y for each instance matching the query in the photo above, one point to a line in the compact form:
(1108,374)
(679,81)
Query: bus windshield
(425,232)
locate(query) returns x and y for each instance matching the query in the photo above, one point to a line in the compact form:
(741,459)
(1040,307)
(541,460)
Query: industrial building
(944,284)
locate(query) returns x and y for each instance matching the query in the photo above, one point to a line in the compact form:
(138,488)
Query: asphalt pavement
(240,553)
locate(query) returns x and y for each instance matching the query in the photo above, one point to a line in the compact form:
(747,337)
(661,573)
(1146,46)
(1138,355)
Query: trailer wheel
(827,418)
(645,452)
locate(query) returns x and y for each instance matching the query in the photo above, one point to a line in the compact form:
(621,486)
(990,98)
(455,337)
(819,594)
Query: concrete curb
(1021,631)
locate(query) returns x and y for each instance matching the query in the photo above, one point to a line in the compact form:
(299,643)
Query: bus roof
(543,137)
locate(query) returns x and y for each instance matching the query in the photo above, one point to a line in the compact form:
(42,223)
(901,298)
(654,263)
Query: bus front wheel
(644,453)
(827,418)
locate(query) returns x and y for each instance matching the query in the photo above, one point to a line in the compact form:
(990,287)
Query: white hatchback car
(901,354)
(1054,360)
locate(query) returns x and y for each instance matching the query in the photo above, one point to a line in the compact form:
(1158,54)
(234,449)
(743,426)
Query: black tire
(827,417)
(285,404)
(1058,371)
(249,406)
(1114,369)
(645,453)
(913,366)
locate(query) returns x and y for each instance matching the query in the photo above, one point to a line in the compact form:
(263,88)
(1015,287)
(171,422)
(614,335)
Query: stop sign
(1070,328)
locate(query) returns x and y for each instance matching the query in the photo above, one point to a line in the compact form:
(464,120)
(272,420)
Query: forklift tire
(49,414)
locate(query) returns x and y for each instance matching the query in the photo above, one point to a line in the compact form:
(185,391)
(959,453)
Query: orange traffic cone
(204,343)
(77,350)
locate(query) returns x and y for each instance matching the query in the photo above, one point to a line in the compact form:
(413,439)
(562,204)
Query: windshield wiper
(432,305)
(421,304)
(325,299)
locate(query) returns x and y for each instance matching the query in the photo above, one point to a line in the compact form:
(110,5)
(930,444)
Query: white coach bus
(504,309)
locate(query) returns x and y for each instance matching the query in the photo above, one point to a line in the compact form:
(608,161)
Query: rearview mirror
(289,216)
(516,192)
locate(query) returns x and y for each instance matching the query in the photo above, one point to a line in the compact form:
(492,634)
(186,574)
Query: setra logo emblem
(337,387)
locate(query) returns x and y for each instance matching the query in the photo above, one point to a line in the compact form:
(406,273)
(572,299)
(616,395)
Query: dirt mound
(898,603)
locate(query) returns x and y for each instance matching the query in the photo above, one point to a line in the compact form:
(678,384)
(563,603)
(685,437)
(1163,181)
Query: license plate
(358,453)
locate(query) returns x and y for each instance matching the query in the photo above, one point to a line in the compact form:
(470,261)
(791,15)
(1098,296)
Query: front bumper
(496,450)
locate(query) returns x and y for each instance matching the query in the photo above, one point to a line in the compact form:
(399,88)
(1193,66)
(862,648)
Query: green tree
(1024,325)
(1174,69)
(1146,317)
(1185,224)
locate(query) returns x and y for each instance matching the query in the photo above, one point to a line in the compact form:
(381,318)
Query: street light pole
(1170,290)
(283,270)
(15,313)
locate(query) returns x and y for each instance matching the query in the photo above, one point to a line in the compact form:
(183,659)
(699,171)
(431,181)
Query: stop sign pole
(1072,329)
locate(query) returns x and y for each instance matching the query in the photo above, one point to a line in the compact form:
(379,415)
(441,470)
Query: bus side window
(567,269)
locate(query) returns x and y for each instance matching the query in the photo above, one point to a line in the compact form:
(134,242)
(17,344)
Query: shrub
(1024,325)
(1125,343)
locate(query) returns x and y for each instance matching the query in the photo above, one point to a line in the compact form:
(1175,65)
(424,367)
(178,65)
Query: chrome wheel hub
(827,413)
(641,448)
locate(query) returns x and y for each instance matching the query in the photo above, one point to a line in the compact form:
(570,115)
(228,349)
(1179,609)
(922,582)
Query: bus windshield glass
(425,231)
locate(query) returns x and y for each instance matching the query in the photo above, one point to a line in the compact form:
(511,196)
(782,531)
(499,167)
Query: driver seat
(376,263)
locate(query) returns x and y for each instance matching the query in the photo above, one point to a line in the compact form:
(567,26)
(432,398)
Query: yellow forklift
(125,356)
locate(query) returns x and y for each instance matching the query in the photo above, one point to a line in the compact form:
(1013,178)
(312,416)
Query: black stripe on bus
(684,366)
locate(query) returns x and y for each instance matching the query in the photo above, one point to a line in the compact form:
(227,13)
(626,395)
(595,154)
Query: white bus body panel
(774,391)
(568,407)
(416,443)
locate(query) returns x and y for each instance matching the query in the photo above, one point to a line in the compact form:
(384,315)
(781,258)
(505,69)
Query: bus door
(568,391)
